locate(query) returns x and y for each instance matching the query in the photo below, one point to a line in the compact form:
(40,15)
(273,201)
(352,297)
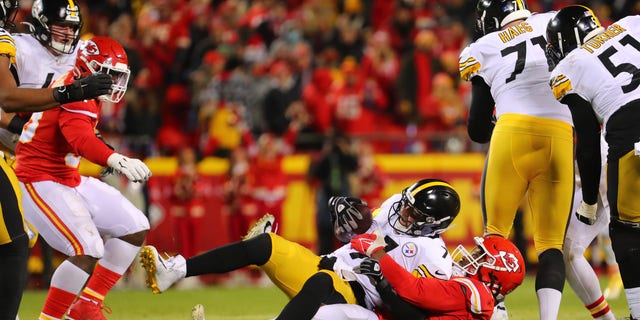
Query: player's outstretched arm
(14,99)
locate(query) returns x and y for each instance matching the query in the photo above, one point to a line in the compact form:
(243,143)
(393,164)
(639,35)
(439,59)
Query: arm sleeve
(78,130)
(430,294)
(480,123)
(588,154)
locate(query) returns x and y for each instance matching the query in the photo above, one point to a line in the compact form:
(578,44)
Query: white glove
(134,169)
(586,213)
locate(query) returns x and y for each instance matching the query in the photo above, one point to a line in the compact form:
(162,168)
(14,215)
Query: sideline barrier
(463,171)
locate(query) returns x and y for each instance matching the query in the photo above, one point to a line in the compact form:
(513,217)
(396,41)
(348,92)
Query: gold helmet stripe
(72,6)
(595,18)
(430,184)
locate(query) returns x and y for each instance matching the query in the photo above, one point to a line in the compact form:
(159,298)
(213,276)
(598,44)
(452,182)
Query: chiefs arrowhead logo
(90,48)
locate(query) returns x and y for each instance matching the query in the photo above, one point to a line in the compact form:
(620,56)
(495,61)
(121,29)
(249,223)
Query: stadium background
(159,115)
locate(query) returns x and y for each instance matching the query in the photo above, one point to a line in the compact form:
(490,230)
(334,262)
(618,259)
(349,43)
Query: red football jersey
(53,142)
(458,298)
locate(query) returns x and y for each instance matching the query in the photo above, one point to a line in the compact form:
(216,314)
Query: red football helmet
(495,261)
(104,55)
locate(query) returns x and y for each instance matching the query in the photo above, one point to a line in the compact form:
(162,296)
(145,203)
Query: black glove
(326,263)
(348,214)
(371,269)
(89,87)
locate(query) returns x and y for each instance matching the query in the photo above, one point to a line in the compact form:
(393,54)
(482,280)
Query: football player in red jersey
(14,245)
(73,212)
(494,268)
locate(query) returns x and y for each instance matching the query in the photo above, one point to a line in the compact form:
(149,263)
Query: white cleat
(500,312)
(197,312)
(161,272)
(266,224)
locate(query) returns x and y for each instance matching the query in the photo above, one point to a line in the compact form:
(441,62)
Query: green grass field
(264,303)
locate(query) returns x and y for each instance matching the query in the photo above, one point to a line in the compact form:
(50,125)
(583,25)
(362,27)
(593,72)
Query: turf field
(264,303)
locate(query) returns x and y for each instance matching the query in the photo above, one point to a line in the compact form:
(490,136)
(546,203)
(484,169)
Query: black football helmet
(46,13)
(494,14)
(570,28)
(432,204)
(8,11)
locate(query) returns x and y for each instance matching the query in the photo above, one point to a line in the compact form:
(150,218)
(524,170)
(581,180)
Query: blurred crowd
(216,74)
(256,80)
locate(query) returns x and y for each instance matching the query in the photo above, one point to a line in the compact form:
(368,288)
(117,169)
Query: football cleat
(84,309)
(161,272)
(266,224)
(197,312)
(500,311)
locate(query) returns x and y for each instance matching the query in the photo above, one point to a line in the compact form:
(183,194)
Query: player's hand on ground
(368,243)
(134,169)
(89,87)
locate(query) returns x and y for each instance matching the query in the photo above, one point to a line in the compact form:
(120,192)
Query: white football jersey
(37,67)
(422,256)
(513,63)
(605,71)
(32,65)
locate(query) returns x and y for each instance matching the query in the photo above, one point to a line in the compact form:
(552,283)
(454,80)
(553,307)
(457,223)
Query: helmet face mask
(57,24)
(495,14)
(495,261)
(569,29)
(426,208)
(104,55)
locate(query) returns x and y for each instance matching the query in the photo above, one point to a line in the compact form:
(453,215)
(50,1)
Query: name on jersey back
(514,31)
(600,39)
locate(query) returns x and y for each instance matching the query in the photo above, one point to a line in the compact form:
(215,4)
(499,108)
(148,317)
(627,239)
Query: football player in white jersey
(34,60)
(531,151)
(411,222)
(597,74)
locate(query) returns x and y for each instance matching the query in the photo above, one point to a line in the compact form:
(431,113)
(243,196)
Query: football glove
(368,243)
(327,263)
(345,213)
(89,87)
(586,213)
(134,169)
(371,269)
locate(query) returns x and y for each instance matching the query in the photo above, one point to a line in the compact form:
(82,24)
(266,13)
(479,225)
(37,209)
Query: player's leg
(287,264)
(550,199)
(503,188)
(14,244)
(58,213)
(13,275)
(116,217)
(580,274)
(623,180)
(322,288)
